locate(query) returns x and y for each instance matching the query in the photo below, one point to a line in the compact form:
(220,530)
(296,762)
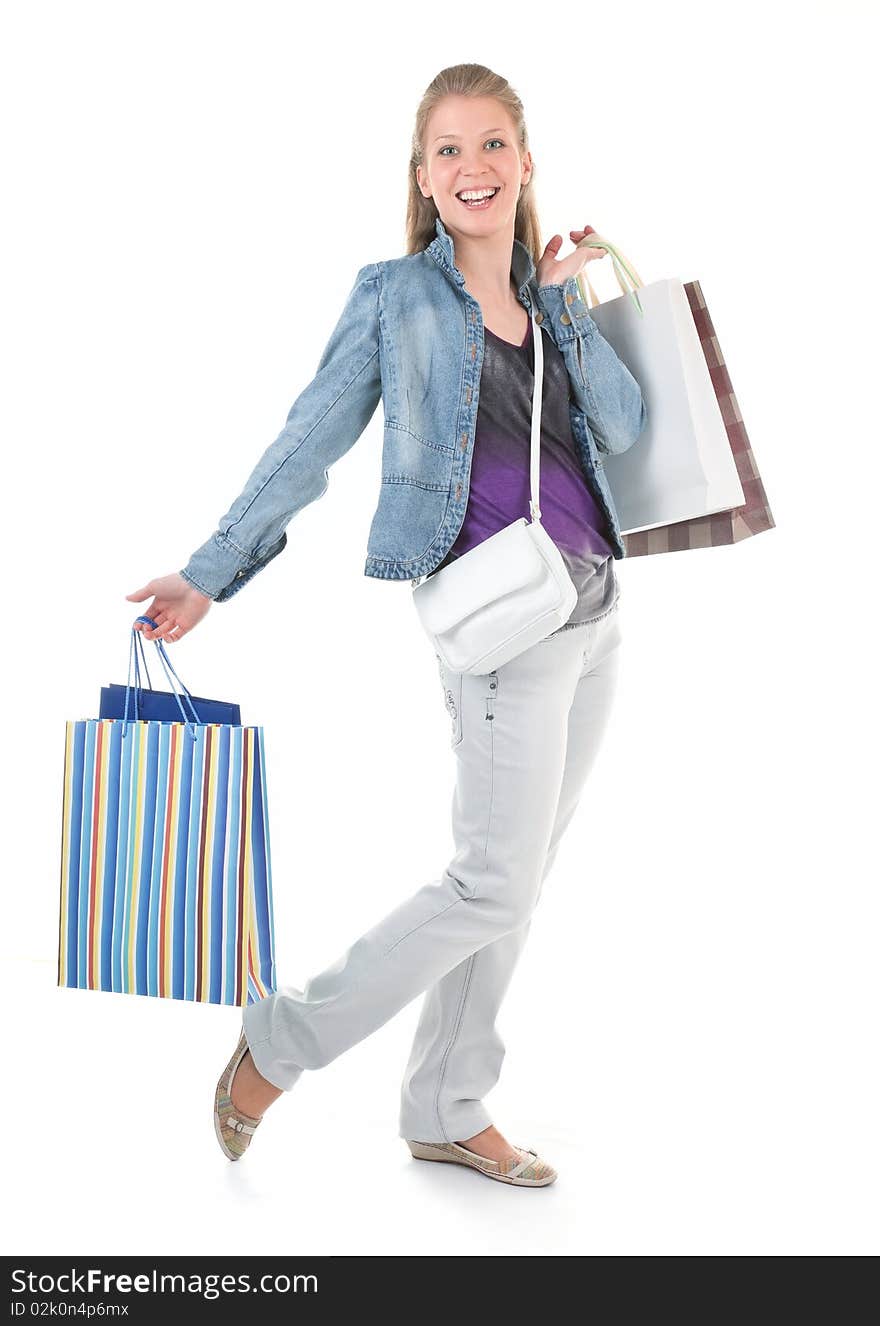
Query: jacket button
(565,320)
(569,299)
(539,318)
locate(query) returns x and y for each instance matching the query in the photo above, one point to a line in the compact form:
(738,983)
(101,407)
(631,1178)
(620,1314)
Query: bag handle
(169,670)
(537,397)
(137,671)
(143,660)
(622,266)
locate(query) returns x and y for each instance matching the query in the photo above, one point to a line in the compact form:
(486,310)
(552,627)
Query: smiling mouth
(478,204)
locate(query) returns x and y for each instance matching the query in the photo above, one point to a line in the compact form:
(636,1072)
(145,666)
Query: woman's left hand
(556,271)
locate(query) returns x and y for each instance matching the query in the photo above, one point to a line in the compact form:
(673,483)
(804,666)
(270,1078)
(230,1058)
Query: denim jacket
(412,334)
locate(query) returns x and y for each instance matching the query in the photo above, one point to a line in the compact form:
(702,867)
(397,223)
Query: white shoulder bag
(511,590)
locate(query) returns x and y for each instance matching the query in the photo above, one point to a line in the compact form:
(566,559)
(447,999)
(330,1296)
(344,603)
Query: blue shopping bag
(159,706)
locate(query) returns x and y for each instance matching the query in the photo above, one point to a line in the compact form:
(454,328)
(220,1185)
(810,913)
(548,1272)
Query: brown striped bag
(691,480)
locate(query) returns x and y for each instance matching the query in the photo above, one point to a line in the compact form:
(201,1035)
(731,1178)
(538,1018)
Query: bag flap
(501,564)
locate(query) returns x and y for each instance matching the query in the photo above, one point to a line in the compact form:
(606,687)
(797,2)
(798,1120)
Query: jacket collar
(522,268)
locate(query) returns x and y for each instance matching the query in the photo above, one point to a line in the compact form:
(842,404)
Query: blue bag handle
(166,664)
(137,672)
(140,641)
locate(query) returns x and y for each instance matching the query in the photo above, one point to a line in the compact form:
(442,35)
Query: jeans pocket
(452,684)
(606,638)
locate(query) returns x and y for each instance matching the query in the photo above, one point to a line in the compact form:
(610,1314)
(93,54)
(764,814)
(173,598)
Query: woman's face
(470,144)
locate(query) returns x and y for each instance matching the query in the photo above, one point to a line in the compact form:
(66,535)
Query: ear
(420,179)
(527,167)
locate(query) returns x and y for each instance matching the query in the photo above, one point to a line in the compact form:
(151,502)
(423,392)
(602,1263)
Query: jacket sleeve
(604,389)
(324,422)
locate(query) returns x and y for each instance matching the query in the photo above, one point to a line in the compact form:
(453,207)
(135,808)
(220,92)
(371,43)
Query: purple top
(499,484)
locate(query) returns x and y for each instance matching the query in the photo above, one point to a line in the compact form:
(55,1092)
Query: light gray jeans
(525,738)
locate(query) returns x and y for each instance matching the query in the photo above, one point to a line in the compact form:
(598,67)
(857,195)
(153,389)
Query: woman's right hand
(176,608)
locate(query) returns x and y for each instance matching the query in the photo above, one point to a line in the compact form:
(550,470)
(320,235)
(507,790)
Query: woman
(443,336)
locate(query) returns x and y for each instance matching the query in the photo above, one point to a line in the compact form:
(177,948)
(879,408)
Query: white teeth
(476,194)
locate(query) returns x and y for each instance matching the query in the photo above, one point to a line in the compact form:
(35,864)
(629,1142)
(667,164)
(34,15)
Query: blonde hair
(469,80)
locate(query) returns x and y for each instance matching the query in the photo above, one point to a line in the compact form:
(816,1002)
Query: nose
(472,170)
(474,179)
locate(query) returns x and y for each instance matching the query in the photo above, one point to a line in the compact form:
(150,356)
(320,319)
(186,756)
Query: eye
(488,140)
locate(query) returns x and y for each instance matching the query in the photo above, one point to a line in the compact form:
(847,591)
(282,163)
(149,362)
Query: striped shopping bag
(166,884)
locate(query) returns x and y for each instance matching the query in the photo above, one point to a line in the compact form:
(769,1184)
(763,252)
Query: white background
(691,1034)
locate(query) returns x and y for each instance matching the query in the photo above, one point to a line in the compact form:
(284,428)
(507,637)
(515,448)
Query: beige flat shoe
(234,1129)
(527,1171)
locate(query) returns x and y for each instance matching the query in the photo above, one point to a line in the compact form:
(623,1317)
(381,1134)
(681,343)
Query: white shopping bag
(683,466)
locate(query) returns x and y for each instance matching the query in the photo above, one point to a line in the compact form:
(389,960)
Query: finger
(153,613)
(165,631)
(139,594)
(161,619)
(588,254)
(553,244)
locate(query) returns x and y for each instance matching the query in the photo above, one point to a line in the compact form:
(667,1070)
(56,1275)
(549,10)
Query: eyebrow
(485,131)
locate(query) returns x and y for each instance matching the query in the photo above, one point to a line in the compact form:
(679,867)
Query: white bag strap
(537,396)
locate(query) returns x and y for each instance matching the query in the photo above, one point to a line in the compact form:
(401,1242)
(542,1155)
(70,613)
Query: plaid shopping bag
(721,526)
(166,884)
(692,481)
